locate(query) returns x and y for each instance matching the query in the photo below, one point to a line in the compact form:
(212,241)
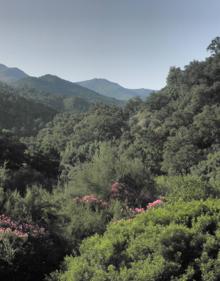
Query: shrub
(177,241)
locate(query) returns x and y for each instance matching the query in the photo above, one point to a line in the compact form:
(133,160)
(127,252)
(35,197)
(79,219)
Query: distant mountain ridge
(62,88)
(11,74)
(114,90)
(63,95)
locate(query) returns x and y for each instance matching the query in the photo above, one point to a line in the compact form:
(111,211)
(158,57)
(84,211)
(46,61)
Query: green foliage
(176,242)
(122,158)
(185,188)
(59,103)
(214,46)
(3,175)
(21,116)
(209,170)
(76,136)
(180,154)
(21,167)
(63,90)
(66,222)
(11,151)
(97,176)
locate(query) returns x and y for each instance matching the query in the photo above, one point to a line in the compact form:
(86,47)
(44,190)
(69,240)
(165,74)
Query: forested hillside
(11,74)
(21,116)
(60,103)
(118,193)
(61,88)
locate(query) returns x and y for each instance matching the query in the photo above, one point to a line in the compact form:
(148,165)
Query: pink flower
(115,187)
(138,210)
(18,229)
(91,199)
(155,203)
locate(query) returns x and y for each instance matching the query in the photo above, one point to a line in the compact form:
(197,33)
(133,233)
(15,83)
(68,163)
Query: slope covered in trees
(169,147)
(60,87)
(60,103)
(91,173)
(11,74)
(171,133)
(21,116)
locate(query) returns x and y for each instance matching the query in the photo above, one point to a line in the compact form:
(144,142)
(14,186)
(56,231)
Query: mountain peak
(56,86)
(114,90)
(11,74)
(2,66)
(95,86)
(49,77)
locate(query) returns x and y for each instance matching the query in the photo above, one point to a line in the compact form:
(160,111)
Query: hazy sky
(133,42)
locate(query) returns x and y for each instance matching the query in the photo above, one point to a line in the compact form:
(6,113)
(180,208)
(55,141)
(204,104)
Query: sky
(132,42)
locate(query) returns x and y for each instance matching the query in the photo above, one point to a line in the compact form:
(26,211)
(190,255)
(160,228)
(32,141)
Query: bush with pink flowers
(154,203)
(149,206)
(19,229)
(91,200)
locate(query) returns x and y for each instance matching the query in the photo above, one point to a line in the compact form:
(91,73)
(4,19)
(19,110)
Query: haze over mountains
(134,185)
(94,90)
(11,74)
(60,87)
(114,90)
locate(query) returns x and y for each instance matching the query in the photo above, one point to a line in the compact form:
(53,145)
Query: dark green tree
(214,46)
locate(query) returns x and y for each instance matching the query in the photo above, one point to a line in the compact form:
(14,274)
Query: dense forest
(22,117)
(113,192)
